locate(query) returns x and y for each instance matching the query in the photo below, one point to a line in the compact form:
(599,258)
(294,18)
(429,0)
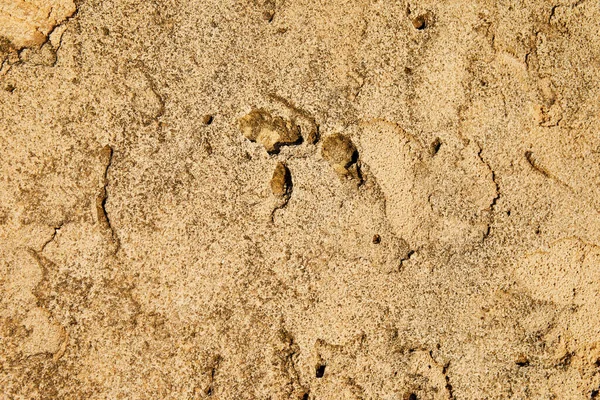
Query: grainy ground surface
(150,250)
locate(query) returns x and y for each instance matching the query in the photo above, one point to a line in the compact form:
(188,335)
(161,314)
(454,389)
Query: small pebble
(268,15)
(420,22)
(207,119)
(522,360)
(281,182)
(340,153)
(376,239)
(435,146)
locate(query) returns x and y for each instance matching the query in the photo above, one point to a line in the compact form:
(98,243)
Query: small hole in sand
(305,397)
(435,146)
(320,371)
(376,239)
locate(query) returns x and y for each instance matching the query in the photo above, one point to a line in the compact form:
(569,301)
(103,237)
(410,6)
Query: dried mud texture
(149,250)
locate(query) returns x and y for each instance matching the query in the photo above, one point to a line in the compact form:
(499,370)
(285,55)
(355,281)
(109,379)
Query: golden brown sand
(299,199)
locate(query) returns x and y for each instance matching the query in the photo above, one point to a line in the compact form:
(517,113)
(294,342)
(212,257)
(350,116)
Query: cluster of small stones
(273,132)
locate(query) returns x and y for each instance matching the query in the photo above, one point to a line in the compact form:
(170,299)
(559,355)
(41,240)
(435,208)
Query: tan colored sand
(149,250)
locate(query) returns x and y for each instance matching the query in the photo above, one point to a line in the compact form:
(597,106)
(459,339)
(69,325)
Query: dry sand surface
(299,199)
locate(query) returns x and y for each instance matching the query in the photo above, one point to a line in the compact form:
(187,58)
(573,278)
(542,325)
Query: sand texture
(299,199)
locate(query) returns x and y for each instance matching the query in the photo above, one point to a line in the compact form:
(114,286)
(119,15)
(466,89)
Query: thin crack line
(492,205)
(447,378)
(103,218)
(56,229)
(405,258)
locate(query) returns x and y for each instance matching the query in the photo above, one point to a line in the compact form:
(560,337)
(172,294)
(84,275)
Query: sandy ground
(299,199)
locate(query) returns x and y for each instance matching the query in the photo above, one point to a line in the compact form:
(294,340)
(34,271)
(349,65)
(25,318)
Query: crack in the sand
(492,205)
(447,378)
(407,257)
(213,371)
(103,219)
(47,242)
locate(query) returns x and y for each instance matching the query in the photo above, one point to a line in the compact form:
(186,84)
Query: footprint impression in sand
(432,193)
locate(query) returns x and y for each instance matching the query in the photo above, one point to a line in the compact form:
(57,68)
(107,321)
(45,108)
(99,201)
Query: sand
(299,199)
